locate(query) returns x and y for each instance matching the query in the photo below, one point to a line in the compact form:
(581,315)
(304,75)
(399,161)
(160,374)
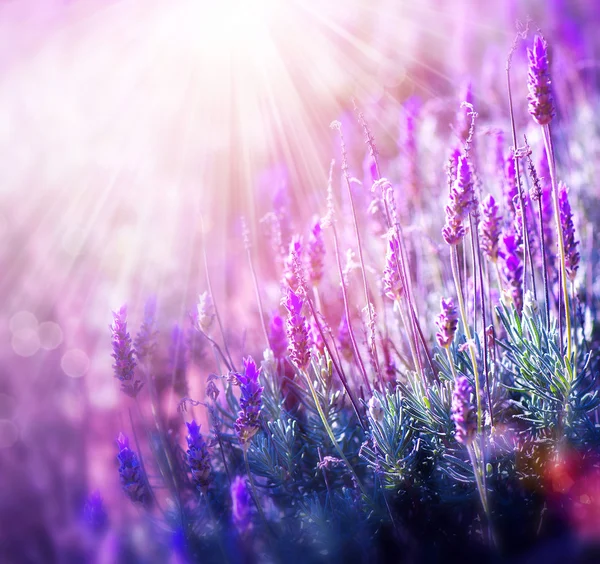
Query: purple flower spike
(94,512)
(512,270)
(145,339)
(510,188)
(568,229)
(344,339)
(463,413)
(447,323)
(297,331)
(392,282)
(240,505)
(292,272)
(277,337)
(462,201)
(490,228)
(198,458)
(316,253)
(125,364)
(248,423)
(541,102)
(132,477)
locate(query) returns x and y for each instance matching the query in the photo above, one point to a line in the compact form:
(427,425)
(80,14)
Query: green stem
(561,244)
(467,330)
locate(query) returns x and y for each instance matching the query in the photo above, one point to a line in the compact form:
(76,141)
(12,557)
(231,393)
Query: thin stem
(561,244)
(544,264)
(347,311)
(465,321)
(451,363)
(258,298)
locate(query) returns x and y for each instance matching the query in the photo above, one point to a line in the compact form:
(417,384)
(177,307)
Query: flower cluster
(541,102)
(489,228)
(277,337)
(240,505)
(392,280)
(133,480)
(297,331)
(198,458)
(123,354)
(316,253)
(248,423)
(447,323)
(568,232)
(512,270)
(463,412)
(462,200)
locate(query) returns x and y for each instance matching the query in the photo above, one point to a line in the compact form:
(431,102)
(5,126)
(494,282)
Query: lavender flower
(344,339)
(125,363)
(512,270)
(197,456)
(463,118)
(292,271)
(463,413)
(541,102)
(297,331)
(568,230)
(490,228)
(510,189)
(240,505)
(94,512)
(462,200)
(133,480)
(447,323)
(204,315)
(316,253)
(316,337)
(178,361)
(392,282)
(247,423)
(277,337)
(144,340)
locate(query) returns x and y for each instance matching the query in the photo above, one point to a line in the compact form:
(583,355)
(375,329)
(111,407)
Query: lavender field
(299,281)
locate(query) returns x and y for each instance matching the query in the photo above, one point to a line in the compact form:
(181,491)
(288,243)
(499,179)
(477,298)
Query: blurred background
(136,133)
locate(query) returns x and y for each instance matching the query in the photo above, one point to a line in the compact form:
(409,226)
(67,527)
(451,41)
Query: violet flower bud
(292,268)
(145,339)
(489,228)
(512,271)
(568,230)
(376,409)
(316,253)
(133,480)
(297,331)
(392,281)
(463,412)
(248,421)
(277,337)
(198,458)
(240,505)
(125,363)
(541,102)
(447,323)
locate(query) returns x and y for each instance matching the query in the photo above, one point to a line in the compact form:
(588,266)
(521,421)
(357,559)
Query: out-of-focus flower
(489,228)
(541,102)
(568,232)
(204,316)
(247,423)
(198,458)
(277,337)
(447,323)
(297,331)
(240,505)
(133,480)
(512,270)
(316,337)
(145,339)
(392,281)
(316,253)
(293,268)
(510,189)
(463,118)
(463,413)
(94,512)
(344,339)
(178,360)
(125,363)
